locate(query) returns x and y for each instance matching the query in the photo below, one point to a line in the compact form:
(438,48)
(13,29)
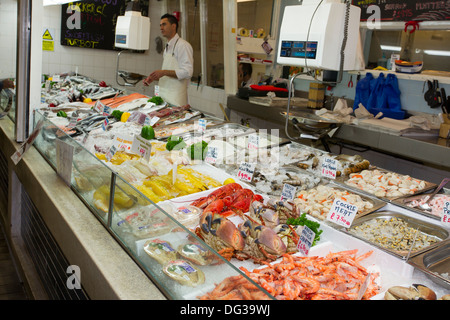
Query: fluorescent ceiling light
(437,53)
(55,2)
(390,48)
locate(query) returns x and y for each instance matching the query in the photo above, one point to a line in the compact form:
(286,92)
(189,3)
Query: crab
(262,244)
(220,234)
(289,234)
(263,214)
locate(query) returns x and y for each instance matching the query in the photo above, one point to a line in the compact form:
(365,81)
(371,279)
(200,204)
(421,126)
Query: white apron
(172,90)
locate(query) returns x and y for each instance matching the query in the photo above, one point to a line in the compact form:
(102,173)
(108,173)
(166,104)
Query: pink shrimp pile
(337,276)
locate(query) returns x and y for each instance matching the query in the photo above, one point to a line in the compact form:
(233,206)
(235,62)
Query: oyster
(184,273)
(161,251)
(415,292)
(196,254)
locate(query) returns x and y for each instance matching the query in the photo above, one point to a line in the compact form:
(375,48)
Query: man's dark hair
(247,68)
(172,19)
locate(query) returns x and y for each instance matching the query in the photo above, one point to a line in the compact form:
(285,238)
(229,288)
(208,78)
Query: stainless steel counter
(430,151)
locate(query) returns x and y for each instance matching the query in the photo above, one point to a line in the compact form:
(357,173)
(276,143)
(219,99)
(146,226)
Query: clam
(415,292)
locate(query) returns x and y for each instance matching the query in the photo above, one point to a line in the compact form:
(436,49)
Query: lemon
(228,181)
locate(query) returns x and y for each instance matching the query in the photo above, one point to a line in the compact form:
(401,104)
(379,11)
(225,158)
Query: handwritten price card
(306,240)
(201,126)
(246,171)
(211,155)
(141,147)
(342,213)
(123,142)
(288,192)
(446,214)
(253,142)
(329,168)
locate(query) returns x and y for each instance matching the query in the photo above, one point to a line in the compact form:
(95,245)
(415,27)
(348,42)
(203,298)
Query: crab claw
(206,225)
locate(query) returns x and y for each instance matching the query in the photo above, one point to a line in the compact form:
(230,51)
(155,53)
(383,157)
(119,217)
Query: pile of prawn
(337,276)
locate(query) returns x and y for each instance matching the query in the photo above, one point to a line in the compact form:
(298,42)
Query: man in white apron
(178,65)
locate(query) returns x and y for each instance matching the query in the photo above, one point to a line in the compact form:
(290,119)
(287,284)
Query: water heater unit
(132,30)
(312,35)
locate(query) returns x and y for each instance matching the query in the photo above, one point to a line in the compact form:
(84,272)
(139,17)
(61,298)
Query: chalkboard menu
(92,23)
(396,10)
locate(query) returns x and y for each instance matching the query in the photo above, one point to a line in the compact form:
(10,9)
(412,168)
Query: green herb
(117,114)
(175,143)
(303,221)
(61,114)
(198,150)
(156,100)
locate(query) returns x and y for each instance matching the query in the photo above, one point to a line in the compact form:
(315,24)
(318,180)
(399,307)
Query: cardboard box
(316,95)
(444,130)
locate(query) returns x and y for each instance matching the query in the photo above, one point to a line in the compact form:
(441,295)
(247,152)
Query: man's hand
(158,74)
(147,81)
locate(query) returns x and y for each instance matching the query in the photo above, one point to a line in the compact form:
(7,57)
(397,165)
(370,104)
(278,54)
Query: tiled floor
(10,286)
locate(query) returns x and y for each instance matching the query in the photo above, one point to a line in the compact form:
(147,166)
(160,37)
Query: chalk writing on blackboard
(396,10)
(91,23)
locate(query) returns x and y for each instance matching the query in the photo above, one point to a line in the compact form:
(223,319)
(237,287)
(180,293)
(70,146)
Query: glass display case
(8,104)
(165,247)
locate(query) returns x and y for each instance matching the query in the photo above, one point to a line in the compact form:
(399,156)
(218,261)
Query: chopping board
(389,124)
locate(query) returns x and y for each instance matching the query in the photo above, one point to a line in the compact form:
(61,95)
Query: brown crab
(262,244)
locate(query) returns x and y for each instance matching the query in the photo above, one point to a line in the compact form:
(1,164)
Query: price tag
(154,120)
(211,155)
(288,192)
(18,155)
(306,240)
(253,142)
(157,90)
(246,171)
(329,167)
(142,147)
(445,220)
(64,160)
(72,123)
(106,111)
(202,126)
(111,152)
(123,142)
(342,213)
(56,78)
(105,124)
(99,107)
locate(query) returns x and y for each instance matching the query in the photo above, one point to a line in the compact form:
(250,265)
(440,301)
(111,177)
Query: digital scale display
(299,49)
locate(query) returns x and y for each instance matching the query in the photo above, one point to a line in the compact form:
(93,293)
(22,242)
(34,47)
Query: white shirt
(183,52)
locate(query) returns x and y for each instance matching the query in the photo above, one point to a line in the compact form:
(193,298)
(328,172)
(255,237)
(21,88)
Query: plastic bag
(388,99)
(375,93)
(138,117)
(363,90)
